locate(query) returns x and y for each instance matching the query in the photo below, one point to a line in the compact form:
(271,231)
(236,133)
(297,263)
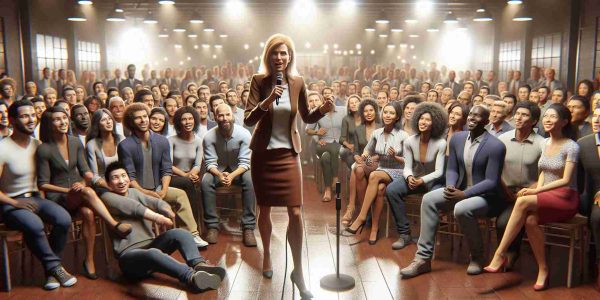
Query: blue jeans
(395,193)
(156,257)
(47,249)
(209,200)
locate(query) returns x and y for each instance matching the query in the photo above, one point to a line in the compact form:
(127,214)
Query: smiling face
(523,119)
(279,58)
(4,116)
(157,122)
(455,116)
(408,110)
(389,115)
(140,121)
(60,123)
(202,109)
(187,122)
(425,123)
(552,121)
(118,181)
(353,104)
(369,113)
(26,119)
(477,119)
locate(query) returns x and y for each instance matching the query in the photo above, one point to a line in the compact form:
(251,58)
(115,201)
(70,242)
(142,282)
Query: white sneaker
(200,243)
(51,283)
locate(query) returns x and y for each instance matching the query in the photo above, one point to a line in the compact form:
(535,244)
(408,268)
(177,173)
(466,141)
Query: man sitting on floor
(142,253)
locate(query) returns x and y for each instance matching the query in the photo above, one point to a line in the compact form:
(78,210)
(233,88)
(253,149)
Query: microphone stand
(337,281)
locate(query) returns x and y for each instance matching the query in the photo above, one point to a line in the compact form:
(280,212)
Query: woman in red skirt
(277,95)
(555,199)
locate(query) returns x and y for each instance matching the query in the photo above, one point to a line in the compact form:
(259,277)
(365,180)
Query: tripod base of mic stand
(335,283)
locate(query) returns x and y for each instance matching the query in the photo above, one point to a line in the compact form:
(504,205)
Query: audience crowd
(148,154)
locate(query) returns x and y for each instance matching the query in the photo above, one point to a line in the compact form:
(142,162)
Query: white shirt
(18,175)
(202,129)
(280,130)
(119,127)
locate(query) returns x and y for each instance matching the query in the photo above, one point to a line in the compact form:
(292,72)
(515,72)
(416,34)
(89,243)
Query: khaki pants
(181,206)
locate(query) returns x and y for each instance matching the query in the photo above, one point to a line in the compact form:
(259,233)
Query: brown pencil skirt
(277,177)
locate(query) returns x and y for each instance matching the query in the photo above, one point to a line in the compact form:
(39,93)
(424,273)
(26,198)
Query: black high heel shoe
(304,294)
(86,273)
(359,229)
(373,242)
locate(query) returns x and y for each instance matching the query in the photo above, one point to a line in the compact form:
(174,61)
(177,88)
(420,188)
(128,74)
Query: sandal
(124,231)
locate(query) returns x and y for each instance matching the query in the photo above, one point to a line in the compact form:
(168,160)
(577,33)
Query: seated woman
(349,124)
(423,164)
(142,253)
(158,119)
(457,118)
(186,154)
(328,129)
(63,173)
(361,169)
(554,200)
(101,145)
(385,146)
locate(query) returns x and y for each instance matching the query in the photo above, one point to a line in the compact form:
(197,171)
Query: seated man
(227,160)
(524,148)
(142,252)
(21,205)
(147,159)
(472,190)
(498,124)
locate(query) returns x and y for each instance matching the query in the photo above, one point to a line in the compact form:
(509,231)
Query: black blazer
(588,177)
(53,169)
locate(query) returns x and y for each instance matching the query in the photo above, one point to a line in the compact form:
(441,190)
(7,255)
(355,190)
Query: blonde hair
(273,42)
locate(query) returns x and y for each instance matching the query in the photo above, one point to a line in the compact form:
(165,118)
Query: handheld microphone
(279,82)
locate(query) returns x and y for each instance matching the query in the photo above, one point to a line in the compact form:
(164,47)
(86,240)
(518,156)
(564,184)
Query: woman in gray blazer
(101,145)
(62,173)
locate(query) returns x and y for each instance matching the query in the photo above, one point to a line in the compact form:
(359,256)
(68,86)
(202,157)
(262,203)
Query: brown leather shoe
(212,235)
(249,238)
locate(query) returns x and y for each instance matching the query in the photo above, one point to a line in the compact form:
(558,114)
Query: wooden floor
(375,268)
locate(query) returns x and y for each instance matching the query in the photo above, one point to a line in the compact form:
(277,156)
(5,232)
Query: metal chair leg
(570,266)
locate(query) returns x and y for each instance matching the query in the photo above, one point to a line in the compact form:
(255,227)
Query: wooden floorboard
(375,269)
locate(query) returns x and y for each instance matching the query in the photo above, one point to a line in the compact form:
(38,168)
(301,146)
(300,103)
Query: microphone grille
(279,76)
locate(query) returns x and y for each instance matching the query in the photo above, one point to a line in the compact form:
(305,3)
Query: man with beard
(205,124)
(147,158)
(81,121)
(472,191)
(21,204)
(227,160)
(144,96)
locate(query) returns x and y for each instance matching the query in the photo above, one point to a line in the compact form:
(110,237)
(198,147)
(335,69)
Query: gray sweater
(433,166)
(130,209)
(186,155)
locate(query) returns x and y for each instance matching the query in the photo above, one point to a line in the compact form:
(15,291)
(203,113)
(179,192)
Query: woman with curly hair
(361,169)
(385,146)
(423,164)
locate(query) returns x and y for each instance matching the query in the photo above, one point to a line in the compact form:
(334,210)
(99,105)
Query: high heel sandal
(124,231)
(347,216)
(500,269)
(268,273)
(354,231)
(304,294)
(86,273)
(544,286)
